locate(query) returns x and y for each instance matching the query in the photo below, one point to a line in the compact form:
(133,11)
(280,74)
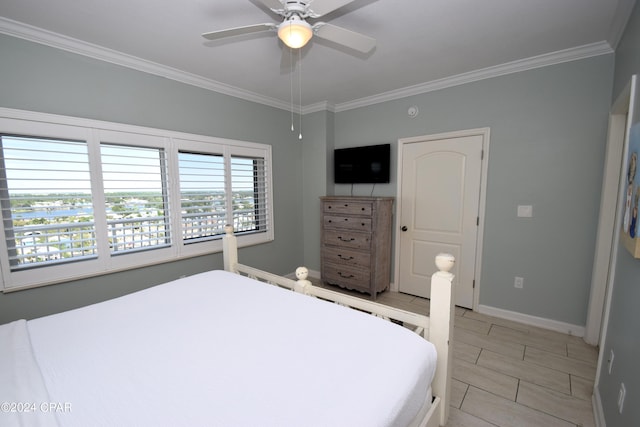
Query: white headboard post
(441,314)
(229,249)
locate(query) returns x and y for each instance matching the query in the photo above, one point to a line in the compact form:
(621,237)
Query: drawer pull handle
(345,258)
(350,276)
(342,239)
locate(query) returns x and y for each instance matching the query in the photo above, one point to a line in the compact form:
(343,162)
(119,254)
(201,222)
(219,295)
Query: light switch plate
(525,211)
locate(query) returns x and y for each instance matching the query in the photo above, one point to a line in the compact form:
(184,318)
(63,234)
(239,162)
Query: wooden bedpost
(229,249)
(441,329)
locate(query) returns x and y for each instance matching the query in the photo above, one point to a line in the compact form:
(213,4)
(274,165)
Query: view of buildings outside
(48,209)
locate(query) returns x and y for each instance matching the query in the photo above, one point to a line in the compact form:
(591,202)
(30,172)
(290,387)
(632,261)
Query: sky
(43,166)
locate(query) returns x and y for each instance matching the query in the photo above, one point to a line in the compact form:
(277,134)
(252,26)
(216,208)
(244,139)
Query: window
(136,197)
(203,200)
(248,191)
(108,197)
(209,200)
(46,201)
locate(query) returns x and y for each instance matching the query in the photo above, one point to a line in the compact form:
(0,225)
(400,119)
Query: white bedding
(218,349)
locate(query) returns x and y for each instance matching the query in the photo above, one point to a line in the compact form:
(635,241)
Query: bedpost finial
(445,262)
(302,273)
(228,229)
(302,284)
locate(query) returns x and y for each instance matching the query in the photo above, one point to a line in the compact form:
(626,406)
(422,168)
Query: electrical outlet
(621,395)
(518,282)
(610,361)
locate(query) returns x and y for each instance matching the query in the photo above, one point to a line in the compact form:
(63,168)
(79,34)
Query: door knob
(403,228)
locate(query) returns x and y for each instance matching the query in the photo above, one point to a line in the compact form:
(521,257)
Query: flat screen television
(362,165)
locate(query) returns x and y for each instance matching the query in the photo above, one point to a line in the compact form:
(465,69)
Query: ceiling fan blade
(345,37)
(238,31)
(317,8)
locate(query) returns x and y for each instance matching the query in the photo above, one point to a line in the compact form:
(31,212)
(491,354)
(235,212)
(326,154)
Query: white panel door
(440,196)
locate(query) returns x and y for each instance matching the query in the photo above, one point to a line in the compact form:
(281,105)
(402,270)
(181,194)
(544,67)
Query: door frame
(485,133)
(605,258)
(609,220)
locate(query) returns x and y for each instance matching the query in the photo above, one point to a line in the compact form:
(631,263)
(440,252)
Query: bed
(222,348)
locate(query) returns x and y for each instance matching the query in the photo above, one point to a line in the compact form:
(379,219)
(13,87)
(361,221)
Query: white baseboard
(598,411)
(541,322)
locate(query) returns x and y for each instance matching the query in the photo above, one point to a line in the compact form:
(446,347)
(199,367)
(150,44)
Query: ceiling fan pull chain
(300,91)
(292,71)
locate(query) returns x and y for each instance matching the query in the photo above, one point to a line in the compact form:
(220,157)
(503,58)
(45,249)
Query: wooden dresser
(356,242)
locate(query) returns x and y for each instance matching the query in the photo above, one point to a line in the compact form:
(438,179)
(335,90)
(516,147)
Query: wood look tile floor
(508,374)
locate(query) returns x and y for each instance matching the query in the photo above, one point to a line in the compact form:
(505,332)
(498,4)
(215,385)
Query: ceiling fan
(295,31)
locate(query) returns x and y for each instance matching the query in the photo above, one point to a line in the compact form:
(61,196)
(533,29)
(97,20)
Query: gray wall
(317,148)
(548,129)
(39,78)
(548,133)
(624,316)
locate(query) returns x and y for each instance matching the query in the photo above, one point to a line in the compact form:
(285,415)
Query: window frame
(94,132)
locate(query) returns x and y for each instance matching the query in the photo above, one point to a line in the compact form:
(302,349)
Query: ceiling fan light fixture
(295,32)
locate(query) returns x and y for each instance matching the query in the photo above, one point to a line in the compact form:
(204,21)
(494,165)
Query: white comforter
(213,349)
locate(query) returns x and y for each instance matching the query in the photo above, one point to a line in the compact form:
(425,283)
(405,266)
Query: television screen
(362,165)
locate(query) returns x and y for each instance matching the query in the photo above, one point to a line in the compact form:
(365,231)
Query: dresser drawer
(347,239)
(348,208)
(346,256)
(348,277)
(347,223)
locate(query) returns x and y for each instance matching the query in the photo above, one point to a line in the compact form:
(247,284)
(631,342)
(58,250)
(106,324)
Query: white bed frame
(436,328)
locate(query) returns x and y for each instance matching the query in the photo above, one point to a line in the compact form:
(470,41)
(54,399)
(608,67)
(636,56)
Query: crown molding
(69,44)
(567,55)
(318,106)
(55,40)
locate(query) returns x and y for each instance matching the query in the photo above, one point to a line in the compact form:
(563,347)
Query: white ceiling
(421,44)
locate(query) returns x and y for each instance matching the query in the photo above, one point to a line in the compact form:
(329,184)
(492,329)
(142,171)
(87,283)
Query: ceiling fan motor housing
(294,8)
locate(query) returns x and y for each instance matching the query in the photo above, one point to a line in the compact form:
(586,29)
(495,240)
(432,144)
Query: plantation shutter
(136,197)
(203,199)
(249,194)
(46,202)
